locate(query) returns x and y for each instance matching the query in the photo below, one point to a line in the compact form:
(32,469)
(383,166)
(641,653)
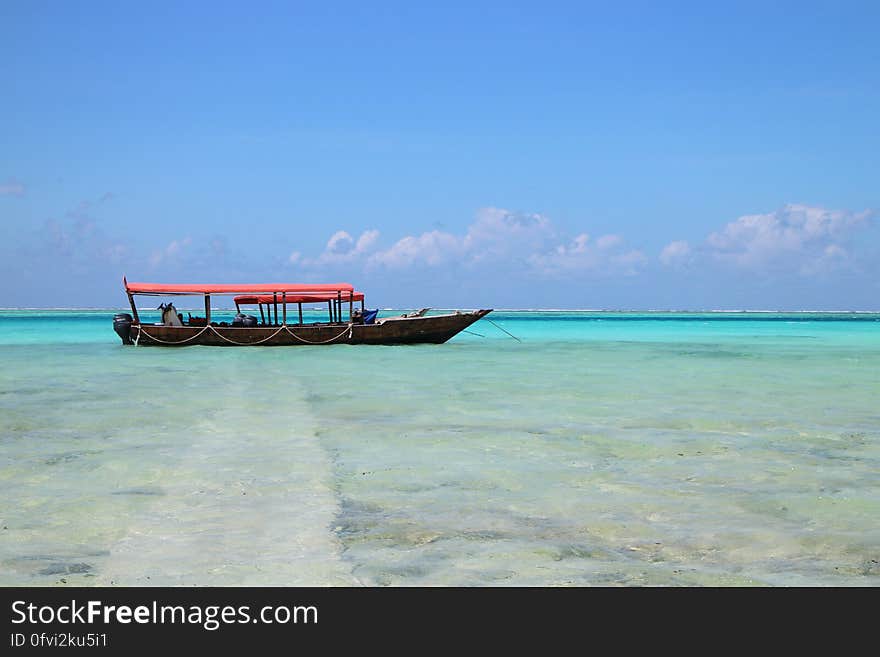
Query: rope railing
(141,329)
(284,327)
(244,344)
(348,328)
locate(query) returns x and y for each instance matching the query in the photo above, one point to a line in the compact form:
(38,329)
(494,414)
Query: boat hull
(433,329)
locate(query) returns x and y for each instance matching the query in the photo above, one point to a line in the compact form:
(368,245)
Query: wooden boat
(277,323)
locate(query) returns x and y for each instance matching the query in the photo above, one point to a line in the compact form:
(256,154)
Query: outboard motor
(122,325)
(242,320)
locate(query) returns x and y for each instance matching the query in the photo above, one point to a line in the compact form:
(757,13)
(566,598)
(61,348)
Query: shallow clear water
(603,449)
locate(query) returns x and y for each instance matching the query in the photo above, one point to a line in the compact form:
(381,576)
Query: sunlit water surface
(601,449)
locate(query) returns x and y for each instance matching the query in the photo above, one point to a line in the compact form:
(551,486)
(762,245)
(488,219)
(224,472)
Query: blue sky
(584,155)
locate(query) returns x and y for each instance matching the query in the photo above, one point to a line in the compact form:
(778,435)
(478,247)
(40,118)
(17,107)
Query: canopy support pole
(262,317)
(207,308)
(284,308)
(134,310)
(300,312)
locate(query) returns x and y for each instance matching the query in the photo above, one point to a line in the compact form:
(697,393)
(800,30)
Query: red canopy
(299,298)
(254,288)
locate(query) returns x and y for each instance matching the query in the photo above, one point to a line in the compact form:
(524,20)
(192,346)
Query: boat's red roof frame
(253,288)
(298,298)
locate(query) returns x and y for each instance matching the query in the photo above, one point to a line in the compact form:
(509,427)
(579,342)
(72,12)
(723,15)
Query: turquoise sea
(600,449)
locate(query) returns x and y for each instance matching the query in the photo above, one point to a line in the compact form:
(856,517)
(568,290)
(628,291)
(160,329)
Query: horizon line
(558,310)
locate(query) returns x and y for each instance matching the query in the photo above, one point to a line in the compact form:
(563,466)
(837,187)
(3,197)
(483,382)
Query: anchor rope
(503,329)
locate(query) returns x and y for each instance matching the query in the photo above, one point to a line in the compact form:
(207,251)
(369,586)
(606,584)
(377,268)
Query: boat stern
(122,325)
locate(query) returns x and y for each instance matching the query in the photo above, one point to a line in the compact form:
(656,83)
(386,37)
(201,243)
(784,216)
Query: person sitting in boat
(170,316)
(359,316)
(195,321)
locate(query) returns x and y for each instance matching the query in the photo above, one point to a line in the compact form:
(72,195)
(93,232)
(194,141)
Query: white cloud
(78,234)
(675,252)
(431,248)
(835,251)
(366,241)
(170,252)
(339,242)
(796,232)
(116,253)
(496,234)
(578,244)
(796,238)
(608,241)
(526,242)
(582,256)
(12,188)
(832,257)
(341,248)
